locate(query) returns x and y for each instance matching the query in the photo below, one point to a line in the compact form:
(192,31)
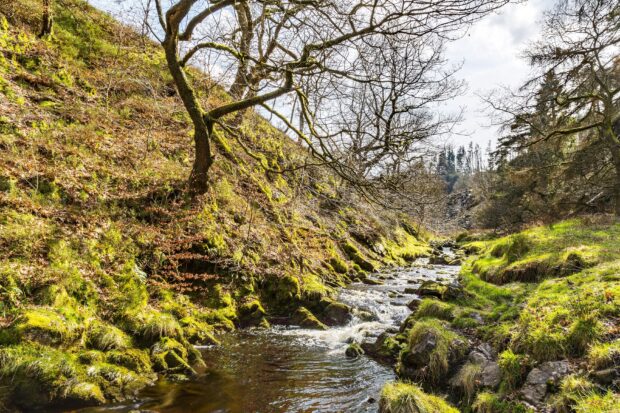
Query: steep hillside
(109,271)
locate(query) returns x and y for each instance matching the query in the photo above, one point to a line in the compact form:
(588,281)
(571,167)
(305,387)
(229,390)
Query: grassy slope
(568,309)
(108,272)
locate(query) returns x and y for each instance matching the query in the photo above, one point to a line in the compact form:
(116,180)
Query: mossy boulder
(357,257)
(386,347)
(409,398)
(197,332)
(134,359)
(170,356)
(354,350)
(440,290)
(335,313)
(281,293)
(40,376)
(149,325)
(104,337)
(305,319)
(431,352)
(42,325)
(252,314)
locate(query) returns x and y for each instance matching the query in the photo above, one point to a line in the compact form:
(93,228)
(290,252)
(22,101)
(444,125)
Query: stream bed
(285,369)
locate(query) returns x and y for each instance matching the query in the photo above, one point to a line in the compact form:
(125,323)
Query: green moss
(357,257)
(43,325)
(354,350)
(603,355)
(133,359)
(252,313)
(408,398)
(430,365)
(40,375)
(596,403)
(433,308)
(149,325)
(492,403)
(339,265)
(102,336)
(282,293)
(305,319)
(170,356)
(513,367)
(564,248)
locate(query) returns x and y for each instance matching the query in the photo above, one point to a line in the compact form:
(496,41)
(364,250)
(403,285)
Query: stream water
(295,370)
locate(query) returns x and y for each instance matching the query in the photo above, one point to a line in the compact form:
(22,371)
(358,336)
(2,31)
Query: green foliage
(357,257)
(466,380)
(604,355)
(104,337)
(401,397)
(513,367)
(487,402)
(433,308)
(448,347)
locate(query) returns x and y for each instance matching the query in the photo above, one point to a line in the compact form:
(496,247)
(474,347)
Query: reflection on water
(293,370)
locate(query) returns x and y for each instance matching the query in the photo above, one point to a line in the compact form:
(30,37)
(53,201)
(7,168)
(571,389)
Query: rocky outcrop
(542,379)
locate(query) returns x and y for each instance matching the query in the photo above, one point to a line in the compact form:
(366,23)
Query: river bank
(533,326)
(295,369)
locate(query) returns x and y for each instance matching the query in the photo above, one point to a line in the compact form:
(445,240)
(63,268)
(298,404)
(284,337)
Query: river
(295,370)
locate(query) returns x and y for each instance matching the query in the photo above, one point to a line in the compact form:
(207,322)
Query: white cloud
(490,53)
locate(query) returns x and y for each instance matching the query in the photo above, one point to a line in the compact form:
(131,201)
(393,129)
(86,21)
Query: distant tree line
(560,155)
(451,163)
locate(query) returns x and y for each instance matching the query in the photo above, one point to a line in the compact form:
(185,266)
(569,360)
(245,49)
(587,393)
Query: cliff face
(109,272)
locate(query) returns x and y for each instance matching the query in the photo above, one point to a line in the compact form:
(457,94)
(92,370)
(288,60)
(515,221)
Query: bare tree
(269,49)
(579,49)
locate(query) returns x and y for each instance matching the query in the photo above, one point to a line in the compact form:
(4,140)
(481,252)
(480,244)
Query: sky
(489,54)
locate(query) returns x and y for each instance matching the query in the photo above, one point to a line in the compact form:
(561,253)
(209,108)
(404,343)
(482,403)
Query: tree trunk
(203,129)
(48,20)
(198,179)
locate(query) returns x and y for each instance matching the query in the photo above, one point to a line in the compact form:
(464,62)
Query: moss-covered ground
(544,294)
(109,270)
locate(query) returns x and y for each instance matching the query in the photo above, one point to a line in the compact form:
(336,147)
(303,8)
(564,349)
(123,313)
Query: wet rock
(439,259)
(410,290)
(385,348)
(366,315)
(371,400)
(414,304)
(541,378)
(337,314)
(354,350)
(305,319)
(439,290)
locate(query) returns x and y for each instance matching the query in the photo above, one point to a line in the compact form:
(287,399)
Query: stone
(414,304)
(439,290)
(420,354)
(540,378)
(491,375)
(305,319)
(337,314)
(354,350)
(606,376)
